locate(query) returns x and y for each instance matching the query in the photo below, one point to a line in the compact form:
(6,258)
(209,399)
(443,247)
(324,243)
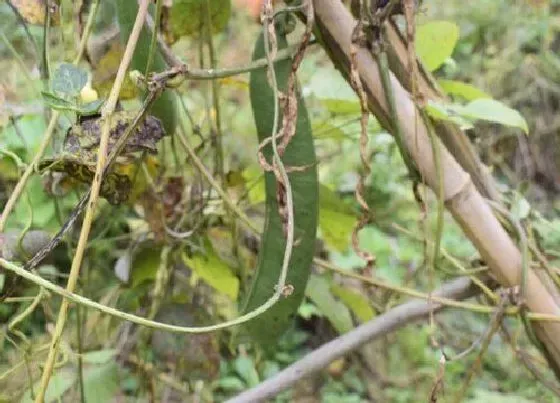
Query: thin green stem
(45,48)
(217,136)
(78,299)
(153,42)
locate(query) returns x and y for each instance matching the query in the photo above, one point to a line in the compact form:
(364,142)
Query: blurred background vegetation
(510,49)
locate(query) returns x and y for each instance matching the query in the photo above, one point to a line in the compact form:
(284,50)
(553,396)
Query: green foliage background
(505,49)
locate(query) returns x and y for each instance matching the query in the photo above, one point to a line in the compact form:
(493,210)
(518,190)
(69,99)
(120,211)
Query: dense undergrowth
(174,219)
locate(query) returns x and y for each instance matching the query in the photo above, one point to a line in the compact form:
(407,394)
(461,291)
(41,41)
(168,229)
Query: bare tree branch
(390,321)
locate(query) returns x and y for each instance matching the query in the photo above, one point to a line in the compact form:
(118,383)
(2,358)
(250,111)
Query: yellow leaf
(106,71)
(336,219)
(358,303)
(214,272)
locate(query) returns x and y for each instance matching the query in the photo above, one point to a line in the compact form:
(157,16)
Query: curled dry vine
(364,155)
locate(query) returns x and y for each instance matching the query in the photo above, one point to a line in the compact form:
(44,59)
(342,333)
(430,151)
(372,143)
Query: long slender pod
(300,152)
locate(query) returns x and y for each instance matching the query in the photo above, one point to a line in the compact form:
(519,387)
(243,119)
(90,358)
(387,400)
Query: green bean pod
(300,152)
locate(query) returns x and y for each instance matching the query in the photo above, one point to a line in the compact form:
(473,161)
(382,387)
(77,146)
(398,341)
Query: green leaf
(307,310)
(99,357)
(448,112)
(255,181)
(520,208)
(495,111)
(245,367)
(319,291)
(59,384)
(463,90)
(91,108)
(26,140)
(328,86)
(336,228)
(60,104)
(188,17)
(357,302)
(300,152)
(336,219)
(69,79)
(323,131)
(56,102)
(435,42)
(214,271)
(480,109)
(230,383)
(101,383)
(145,265)
(44,212)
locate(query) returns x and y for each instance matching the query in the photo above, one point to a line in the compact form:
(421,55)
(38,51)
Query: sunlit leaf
(521,208)
(480,109)
(99,357)
(336,228)
(328,131)
(188,17)
(24,141)
(358,303)
(101,383)
(448,112)
(468,92)
(336,219)
(214,271)
(255,182)
(229,383)
(333,91)
(435,42)
(319,291)
(495,111)
(245,367)
(307,310)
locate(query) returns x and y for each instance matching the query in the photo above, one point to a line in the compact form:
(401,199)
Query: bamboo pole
(462,199)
